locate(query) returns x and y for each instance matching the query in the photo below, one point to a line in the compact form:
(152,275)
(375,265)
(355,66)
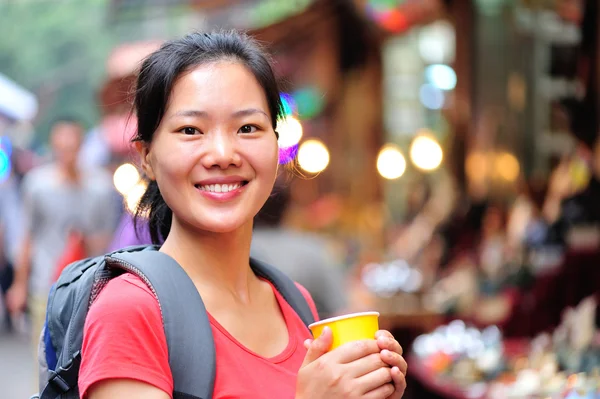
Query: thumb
(319,346)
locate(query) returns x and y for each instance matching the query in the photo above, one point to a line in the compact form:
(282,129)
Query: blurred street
(16,367)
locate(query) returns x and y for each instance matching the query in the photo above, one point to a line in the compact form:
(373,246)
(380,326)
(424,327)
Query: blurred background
(445,158)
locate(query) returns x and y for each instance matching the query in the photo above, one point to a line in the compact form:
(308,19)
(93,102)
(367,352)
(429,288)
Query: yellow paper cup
(348,328)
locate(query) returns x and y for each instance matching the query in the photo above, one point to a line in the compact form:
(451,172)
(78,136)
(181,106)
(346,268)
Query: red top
(124,338)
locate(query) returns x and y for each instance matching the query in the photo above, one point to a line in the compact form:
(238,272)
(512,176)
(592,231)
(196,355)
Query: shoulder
(124,295)
(39,177)
(97,179)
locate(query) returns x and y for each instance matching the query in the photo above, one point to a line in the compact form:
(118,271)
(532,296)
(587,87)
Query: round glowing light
(4,165)
(313,156)
(290,132)
(507,166)
(437,43)
(309,102)
(391,164)
(125,178)
(431,97)
(134,195)
(477,166)
(426,153)
(441,76)
(5,145)
(288,154)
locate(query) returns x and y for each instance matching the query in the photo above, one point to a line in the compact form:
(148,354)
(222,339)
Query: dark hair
(155,82)
(67,120)
(274,210)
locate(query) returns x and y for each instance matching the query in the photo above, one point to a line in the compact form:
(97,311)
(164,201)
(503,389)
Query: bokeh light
(5,145)
(290,132)
(125,178)
(287,155)
(5,166)
(391,163)
(437,43)
(431,97)
(425,153)
(309,102)
(441,76)
(313,156)
(134,195)
(477,166)
(507,166)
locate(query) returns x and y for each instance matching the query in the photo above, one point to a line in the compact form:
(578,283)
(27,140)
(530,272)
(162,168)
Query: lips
(223,189)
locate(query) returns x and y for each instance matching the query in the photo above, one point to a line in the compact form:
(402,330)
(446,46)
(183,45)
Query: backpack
(186,324)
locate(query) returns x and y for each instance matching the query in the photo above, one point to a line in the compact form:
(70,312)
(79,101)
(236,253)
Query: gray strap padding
(286,287)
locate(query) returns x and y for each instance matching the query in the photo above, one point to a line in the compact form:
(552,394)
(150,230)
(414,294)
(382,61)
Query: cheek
(267,160)
(171,165)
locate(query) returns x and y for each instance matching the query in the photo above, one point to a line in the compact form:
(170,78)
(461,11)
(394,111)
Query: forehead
(217,87)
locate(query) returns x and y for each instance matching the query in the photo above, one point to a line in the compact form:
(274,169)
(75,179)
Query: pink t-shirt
(124,339)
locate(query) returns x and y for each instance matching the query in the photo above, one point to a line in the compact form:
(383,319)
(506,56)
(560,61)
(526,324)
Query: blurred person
(58,198)
(10,235)
(303,256)
(207,110)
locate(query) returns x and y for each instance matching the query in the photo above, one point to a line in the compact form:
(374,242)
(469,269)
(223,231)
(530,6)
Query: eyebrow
(203,114)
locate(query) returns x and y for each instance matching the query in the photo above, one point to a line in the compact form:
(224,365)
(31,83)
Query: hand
(352,371)
(16,297)
(391,354)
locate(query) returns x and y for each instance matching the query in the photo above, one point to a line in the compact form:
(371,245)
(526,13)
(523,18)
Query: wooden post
(462,15)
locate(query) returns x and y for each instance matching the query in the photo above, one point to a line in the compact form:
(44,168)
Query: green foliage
(57,49)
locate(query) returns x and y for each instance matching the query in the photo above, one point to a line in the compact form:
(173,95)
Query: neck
(217,263)
(70,173)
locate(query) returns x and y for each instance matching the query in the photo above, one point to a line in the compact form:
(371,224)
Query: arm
(17,294)
(130,389)
(23,261)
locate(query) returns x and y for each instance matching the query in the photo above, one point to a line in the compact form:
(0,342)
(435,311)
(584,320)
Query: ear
(143,150)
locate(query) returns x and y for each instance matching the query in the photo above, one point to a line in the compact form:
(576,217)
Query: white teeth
(220,188)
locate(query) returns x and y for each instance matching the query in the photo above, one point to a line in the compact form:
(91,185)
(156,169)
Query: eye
(248,129)
(189,130)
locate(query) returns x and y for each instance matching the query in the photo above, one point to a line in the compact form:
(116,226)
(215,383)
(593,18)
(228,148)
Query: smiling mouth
(220,188)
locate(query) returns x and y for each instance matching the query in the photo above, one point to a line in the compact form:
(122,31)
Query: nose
(221,151)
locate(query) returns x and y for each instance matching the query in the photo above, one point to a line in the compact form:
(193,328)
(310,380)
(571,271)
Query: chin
(221,226)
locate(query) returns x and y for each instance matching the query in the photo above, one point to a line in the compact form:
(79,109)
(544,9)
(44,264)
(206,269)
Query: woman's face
(214,155)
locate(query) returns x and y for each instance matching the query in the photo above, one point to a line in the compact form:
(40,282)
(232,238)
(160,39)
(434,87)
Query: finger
(383,392)
(399,380)
(355,350)
(308,343)
(319,346)
(385,342)
(364,366)
(383,333)
(374,380)
(393,359)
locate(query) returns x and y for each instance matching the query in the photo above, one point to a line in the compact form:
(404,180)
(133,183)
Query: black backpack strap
(286,287)
(190,342)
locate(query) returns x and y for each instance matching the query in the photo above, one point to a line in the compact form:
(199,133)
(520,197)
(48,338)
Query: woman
(207,109)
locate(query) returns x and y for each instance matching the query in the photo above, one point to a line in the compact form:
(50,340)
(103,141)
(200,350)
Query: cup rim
(343,317)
